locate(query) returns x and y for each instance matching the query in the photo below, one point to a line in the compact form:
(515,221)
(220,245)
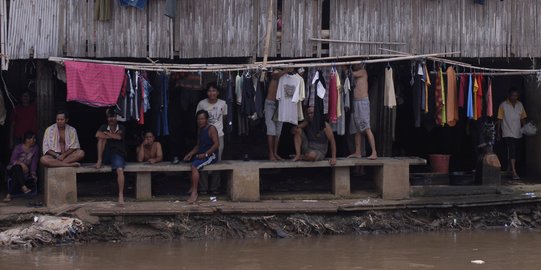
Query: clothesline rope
(238,67)
(297,63)
(499,71)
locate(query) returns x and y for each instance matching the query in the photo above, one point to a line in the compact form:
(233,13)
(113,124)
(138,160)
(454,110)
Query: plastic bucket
(439,163)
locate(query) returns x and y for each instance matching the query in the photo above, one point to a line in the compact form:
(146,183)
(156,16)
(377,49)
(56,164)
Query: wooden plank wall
(33,24)
(159,31)
(236,28)
(300,22)
(496,29)
(209,28)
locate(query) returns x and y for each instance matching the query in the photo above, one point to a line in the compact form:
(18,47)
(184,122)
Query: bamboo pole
(356,42)
(267,38)
(3,29)
(330,58)
(210,68)
(492,73)
(466,65)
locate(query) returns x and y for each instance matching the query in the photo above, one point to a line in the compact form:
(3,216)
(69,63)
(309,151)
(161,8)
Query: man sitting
(61,145)
(150,150)
(311,142)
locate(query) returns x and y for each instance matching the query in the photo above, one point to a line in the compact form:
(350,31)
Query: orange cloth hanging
(451,105)
(490,111)
(479,96)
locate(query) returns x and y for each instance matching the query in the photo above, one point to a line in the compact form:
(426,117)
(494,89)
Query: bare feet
(7,198)
(297,158)
(98,164)
(278,158)
(373,156)
(121,200)
(355,155)
(193,198)
(76,164)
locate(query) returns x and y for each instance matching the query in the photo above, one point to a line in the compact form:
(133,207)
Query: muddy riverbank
(263,226)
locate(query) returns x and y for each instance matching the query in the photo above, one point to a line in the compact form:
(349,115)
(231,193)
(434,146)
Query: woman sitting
(23,165)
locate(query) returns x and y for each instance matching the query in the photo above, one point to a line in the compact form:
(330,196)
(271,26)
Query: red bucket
(439,163)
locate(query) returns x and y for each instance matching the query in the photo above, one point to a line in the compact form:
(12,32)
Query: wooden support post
(268,35)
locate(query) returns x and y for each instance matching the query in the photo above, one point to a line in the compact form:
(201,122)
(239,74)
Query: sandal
(26,190)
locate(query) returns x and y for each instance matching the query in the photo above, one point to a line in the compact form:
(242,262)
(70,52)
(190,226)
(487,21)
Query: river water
(488,249)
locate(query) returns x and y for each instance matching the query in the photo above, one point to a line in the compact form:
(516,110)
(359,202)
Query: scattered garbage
(477,261)
(362,202)
(44,230)
(530,194)
(213,199)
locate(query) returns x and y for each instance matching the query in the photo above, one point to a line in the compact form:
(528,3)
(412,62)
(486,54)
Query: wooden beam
(357,42)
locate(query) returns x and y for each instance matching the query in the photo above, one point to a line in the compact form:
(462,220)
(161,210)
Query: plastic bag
(529,129)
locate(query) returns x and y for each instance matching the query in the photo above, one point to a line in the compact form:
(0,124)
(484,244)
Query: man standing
(311,144)
(216,109)
(274,128)
(360,118)
(511,117)
(61,144)
(111,149)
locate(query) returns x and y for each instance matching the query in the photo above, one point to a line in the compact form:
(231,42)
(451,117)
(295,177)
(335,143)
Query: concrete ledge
(392,177)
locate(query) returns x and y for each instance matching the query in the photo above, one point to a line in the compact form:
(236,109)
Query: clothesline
(238,67)
(493,73)
(504,71)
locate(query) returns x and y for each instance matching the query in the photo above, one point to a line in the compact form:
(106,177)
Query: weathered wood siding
(33,25)
(236,28)
(301,20)
(496,29)
(209,28)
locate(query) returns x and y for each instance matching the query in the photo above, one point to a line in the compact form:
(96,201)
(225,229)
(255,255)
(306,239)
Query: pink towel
(93,84)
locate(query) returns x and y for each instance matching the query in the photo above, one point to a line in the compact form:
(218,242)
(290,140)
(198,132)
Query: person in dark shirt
(205,152)
(111,149)
(24,118)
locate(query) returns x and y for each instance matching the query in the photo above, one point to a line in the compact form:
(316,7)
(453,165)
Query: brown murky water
(504,250)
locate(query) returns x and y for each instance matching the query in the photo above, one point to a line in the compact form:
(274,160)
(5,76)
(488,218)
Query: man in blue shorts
(205,152)
(111,149)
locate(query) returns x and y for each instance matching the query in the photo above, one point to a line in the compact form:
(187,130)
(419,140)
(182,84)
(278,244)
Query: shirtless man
(150,150)
(274,128)
(61,146)
(312,144)
(360,120)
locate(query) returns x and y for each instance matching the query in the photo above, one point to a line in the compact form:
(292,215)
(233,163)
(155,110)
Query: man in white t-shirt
(511,117)
(217,109)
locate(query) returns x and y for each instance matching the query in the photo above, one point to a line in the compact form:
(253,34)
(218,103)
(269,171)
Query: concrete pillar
(60,186)
(143,186)
(340,181)
(244,184)
(392,180)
